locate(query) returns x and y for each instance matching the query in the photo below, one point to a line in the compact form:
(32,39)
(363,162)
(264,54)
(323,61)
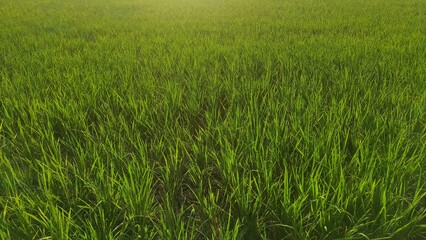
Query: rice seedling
(202,119)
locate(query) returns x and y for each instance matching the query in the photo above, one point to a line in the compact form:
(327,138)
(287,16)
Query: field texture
(212,119)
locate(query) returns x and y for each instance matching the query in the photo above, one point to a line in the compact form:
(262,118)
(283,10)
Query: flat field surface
(212,119)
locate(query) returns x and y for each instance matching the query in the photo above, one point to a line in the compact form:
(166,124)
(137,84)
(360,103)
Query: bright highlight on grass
(137,119)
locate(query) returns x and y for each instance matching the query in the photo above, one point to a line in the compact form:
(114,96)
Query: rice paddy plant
(201,119)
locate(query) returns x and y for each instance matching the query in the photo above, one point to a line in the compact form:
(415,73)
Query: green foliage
(205,119)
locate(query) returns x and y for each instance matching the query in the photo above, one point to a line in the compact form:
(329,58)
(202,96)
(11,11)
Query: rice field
(212,119)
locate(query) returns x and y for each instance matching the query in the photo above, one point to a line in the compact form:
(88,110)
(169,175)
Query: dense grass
(204,119)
